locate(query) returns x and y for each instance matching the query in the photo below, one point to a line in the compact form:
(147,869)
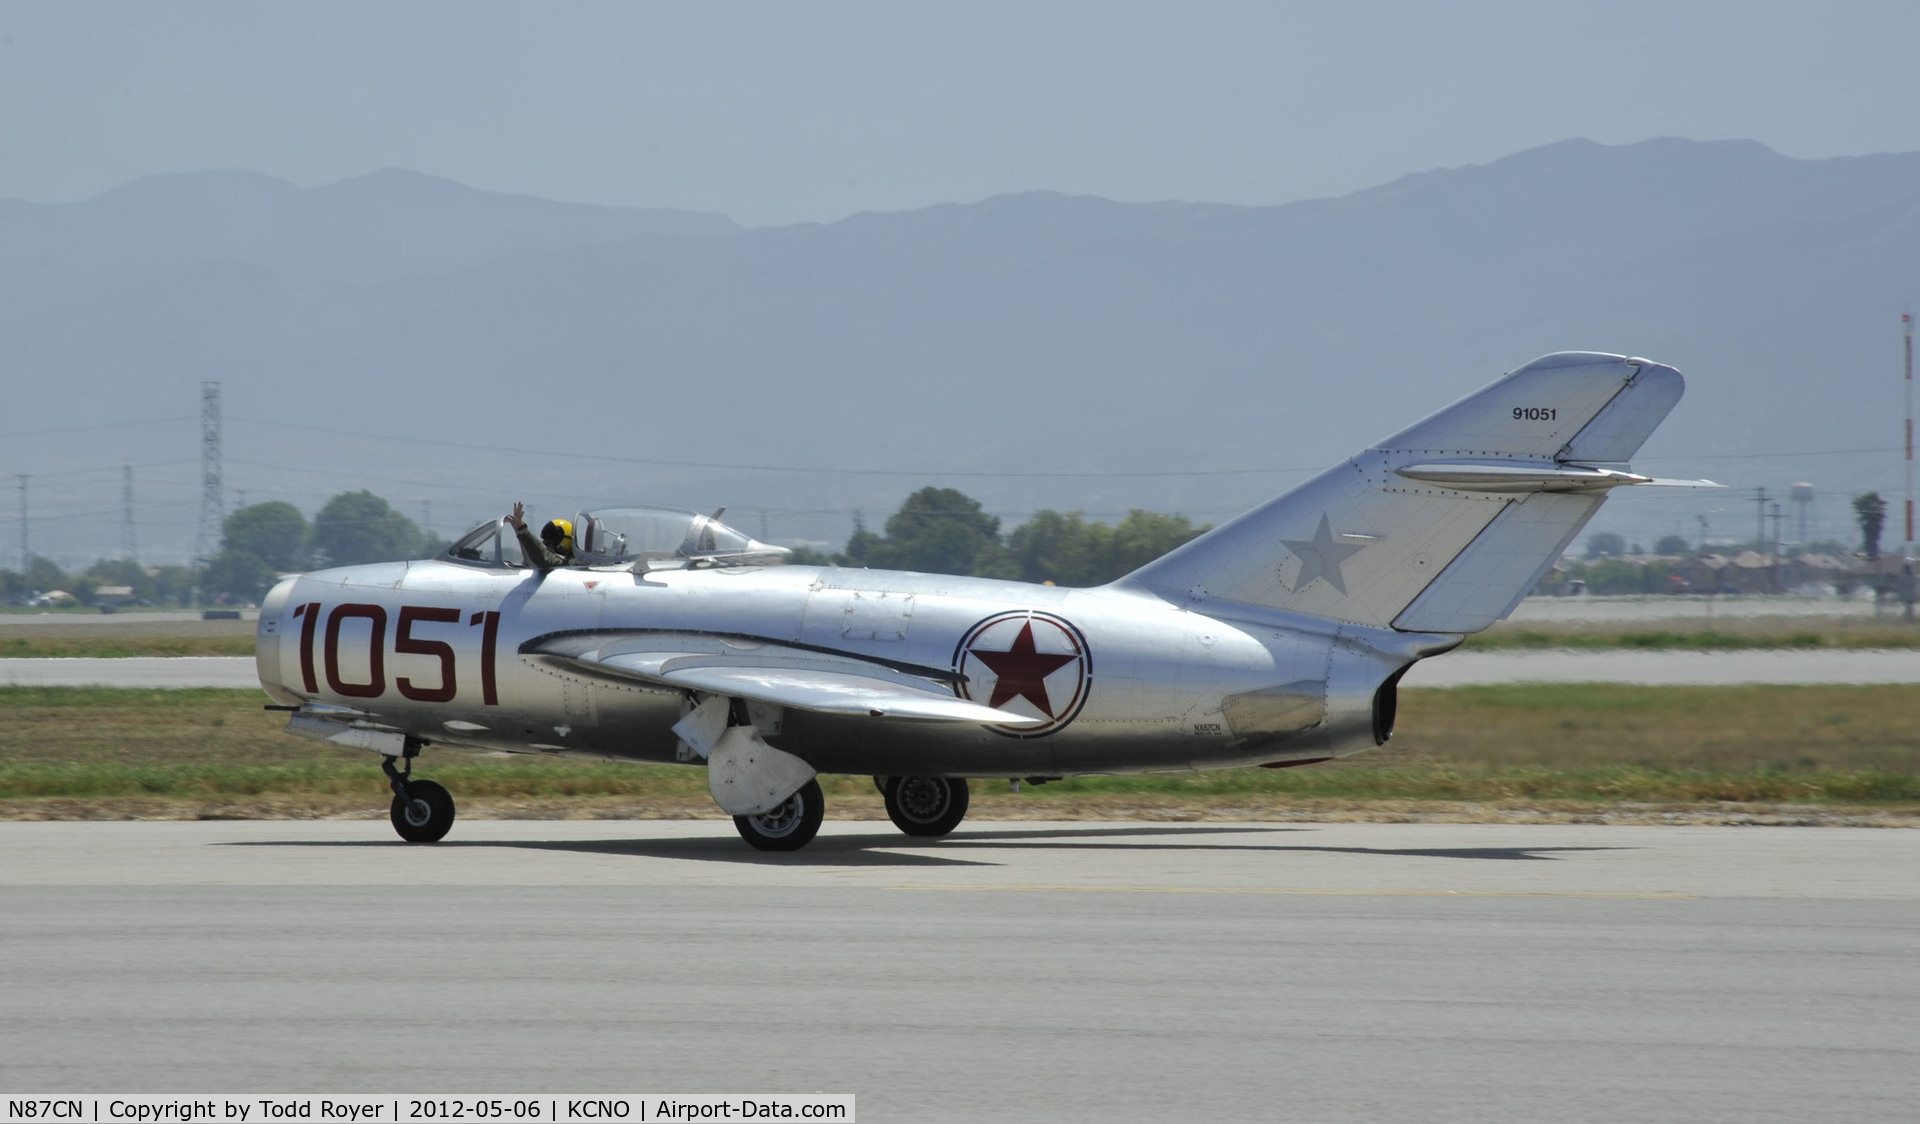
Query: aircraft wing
(773,673)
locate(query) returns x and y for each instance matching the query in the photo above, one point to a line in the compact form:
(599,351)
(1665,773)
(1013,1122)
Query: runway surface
(1695,609)
(189,617)
(1668,669)
(1011,972)
(1456,669)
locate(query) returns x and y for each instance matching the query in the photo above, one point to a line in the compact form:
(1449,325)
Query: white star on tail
(1320,557)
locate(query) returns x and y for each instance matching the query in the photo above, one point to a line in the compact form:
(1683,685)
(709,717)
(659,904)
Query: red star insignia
(1021,671)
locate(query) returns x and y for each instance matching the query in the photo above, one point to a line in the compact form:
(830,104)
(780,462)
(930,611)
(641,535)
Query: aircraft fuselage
(1125,681)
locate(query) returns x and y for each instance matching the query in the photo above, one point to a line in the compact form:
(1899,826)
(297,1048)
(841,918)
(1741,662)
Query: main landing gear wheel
(788,827)
(926,806)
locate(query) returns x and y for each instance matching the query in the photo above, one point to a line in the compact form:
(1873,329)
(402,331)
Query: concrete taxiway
(173,672)
(1027,971)
(114,621)
(1668,669)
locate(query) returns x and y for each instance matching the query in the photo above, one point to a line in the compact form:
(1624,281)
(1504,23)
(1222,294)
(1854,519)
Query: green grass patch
(1661,640)
(78,643)
(1597,743)
(1731,635)
(1484,785)
(112,638)
(1744,730)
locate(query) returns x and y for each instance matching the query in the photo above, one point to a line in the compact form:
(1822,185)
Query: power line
(67,517)
(819,469)
(787,468)
(100,469)
(97,425)
(931,472)
(339,474)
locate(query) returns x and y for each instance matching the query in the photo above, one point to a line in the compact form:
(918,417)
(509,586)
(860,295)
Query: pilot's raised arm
(554,547)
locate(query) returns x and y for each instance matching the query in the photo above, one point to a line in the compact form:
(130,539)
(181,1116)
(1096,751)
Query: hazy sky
(774,113)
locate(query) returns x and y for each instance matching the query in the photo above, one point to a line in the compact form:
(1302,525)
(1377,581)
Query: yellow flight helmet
(558,535)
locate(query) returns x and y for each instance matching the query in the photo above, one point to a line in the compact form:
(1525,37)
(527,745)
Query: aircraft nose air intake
(269,643)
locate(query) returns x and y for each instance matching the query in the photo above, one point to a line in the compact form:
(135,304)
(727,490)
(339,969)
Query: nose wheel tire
(926,806)
(424,814)
(788,827)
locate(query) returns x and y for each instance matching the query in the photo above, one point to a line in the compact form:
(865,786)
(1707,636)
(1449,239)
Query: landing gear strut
(422,811)
(926,806)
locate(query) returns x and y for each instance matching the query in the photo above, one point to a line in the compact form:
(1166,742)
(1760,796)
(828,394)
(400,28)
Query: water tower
(1803,505)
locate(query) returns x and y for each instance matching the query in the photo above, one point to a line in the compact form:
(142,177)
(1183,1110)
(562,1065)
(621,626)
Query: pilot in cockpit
(554,547)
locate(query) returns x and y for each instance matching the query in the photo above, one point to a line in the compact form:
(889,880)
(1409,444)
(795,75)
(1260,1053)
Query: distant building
(1747,571)
(110,597)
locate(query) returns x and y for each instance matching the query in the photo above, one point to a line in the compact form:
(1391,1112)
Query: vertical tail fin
(1444,526)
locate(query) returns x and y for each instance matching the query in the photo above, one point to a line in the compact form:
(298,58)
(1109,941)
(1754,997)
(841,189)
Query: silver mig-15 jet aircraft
(1277,639)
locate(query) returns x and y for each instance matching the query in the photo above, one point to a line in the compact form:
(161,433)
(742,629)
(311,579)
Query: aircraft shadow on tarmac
(848,851)
(883,850)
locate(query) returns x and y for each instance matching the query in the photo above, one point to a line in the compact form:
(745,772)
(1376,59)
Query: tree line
(944,531)
(258,543)
(1869,512)
(261,542)
(936,530)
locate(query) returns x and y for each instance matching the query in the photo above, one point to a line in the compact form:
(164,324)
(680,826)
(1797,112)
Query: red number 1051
(405,643)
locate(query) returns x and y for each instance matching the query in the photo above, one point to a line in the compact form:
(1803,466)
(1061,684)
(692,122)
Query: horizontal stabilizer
(1658,482)
(1553,476)
(778,674)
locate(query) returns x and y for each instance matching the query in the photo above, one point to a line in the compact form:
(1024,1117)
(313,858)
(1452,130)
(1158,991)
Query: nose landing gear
(422,811)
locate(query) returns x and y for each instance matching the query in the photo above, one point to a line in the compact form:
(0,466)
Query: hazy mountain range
(1061,342)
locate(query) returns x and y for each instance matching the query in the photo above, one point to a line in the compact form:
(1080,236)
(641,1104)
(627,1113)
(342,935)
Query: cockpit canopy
(643,537)
(614,535)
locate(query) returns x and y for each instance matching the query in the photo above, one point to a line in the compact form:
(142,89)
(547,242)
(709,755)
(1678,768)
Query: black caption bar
(413,1108)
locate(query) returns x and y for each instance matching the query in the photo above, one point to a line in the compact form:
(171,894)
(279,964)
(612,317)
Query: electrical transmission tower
(1906,325)
(213,506)
(128,545)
